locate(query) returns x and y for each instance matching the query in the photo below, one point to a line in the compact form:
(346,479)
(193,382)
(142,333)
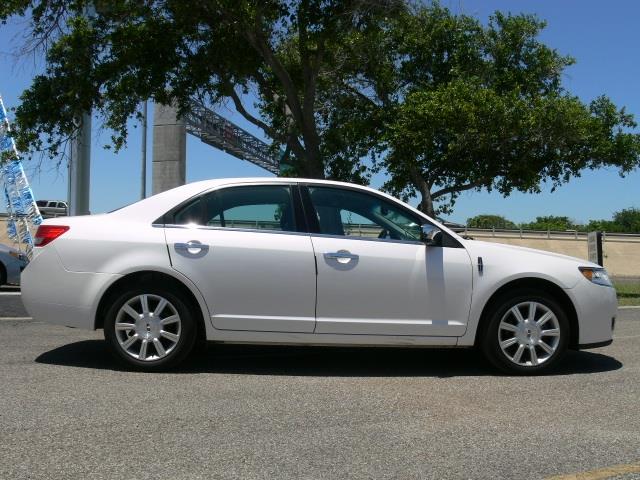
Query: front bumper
(588,346)
(597,307)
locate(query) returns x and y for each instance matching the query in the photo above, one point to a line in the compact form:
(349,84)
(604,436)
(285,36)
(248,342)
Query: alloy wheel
(529,334)
(148,327)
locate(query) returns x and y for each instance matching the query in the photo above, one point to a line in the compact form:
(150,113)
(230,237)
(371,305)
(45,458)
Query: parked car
(12,262)
(280,261)
(52,208)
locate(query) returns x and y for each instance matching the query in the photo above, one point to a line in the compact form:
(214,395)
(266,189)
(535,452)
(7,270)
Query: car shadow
(324,361)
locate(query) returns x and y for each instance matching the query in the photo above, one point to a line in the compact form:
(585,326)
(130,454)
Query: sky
(601,36)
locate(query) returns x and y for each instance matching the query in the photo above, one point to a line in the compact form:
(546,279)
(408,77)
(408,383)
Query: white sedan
(309,262)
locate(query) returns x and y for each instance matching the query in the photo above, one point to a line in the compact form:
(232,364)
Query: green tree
(474,107)
(624,221)
(551,222)
(628,219)
(490,221)
(292,56)
(441,102)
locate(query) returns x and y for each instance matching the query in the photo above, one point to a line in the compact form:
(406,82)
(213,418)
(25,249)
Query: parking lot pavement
(68,411)
(10,302)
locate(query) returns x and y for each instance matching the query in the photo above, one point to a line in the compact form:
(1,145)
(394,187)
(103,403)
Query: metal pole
(143,190)
(80,162)
(80,169)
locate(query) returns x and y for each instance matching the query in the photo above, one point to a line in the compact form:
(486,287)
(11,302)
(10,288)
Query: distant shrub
(490,221)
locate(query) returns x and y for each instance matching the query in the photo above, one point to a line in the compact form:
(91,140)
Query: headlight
(599,276)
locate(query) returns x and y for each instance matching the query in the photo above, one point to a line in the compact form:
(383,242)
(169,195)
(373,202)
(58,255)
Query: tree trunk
(426,201)
(313,167)
(306,161)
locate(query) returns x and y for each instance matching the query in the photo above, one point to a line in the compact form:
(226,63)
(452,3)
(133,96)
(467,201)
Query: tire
(516,345)
(3,274)
(168,330)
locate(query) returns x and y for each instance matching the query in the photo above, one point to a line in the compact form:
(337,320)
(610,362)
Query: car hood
(507,262)
(532,251)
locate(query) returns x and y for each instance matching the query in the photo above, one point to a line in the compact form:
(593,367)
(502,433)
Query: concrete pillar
(169,149)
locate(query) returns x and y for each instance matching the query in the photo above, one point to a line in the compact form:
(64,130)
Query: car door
(246,250)
(376,276)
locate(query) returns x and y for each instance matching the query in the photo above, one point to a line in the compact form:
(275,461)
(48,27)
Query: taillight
(48,233)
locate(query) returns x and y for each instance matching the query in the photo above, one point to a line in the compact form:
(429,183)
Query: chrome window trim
(368,239)
(284,232)
(229,229)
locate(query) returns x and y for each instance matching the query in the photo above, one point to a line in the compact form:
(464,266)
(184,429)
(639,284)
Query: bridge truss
(217,131)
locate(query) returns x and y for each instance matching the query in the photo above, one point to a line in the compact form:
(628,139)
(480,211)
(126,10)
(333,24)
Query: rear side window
(256,207)
(41,203)
(189,214)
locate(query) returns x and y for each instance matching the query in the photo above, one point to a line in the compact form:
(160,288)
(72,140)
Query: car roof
(152,208)
(164,201)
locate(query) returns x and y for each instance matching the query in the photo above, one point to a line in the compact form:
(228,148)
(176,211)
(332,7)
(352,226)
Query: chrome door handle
(341,255)
(192,246)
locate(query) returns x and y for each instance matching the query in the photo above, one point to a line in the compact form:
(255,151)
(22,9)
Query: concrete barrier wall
(621,258)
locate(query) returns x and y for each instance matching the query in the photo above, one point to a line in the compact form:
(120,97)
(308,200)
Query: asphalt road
(68,411)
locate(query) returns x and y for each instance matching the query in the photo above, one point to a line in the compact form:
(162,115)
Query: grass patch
(628,293)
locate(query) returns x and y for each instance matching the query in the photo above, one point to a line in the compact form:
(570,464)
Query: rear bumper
(58,314)
(54,295)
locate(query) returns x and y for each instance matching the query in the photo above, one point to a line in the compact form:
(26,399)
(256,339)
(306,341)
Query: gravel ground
(68,411)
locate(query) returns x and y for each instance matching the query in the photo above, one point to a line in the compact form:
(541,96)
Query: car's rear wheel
(150,328)
(527,333)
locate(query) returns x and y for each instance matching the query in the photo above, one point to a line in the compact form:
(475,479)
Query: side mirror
(431,236)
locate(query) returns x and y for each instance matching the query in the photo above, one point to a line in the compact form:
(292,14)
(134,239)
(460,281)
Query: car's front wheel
(527,333)
(150,328)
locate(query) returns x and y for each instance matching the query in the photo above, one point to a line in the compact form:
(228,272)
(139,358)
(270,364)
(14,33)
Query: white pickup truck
(52,208)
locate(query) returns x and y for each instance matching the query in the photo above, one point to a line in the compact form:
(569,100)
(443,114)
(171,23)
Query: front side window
(358,214)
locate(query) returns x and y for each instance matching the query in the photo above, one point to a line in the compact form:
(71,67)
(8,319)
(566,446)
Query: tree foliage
(291,56)
(490,221)
(483,107)
(551,222)
(624,221)
(440,102)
